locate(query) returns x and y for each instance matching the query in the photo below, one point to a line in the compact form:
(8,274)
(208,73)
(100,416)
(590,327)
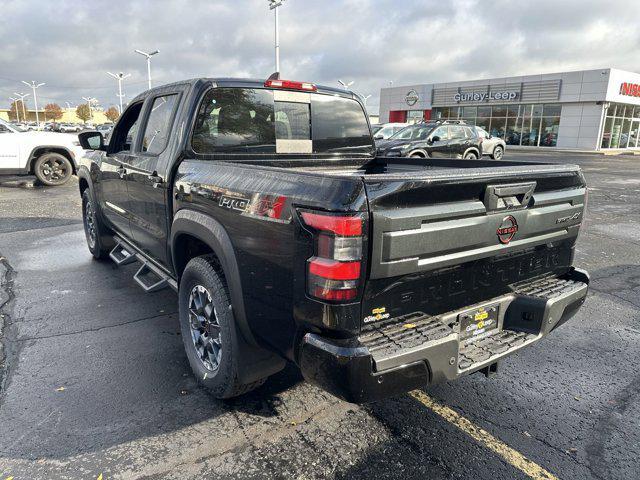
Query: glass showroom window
(621,126)
(534,125)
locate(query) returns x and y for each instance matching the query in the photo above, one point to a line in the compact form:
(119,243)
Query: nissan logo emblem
(411,97)
(507,229)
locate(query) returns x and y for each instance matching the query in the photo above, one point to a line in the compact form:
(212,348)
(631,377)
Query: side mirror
(91,140)
(378,137)
(434,139)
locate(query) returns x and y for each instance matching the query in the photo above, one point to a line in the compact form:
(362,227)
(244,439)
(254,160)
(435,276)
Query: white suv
(50,156)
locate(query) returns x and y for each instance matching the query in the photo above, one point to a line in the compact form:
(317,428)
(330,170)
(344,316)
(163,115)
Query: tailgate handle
(503,197)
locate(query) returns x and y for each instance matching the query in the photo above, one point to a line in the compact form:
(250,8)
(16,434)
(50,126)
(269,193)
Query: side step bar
(149,276)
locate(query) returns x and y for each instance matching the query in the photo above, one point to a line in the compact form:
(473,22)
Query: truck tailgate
(446,238)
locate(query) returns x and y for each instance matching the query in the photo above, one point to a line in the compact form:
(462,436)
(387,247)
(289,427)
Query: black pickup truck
(264,205)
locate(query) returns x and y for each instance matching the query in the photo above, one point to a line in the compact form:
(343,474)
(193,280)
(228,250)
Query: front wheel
(208,331)
(498,152)
(53,169)
(98,241)
(470,156)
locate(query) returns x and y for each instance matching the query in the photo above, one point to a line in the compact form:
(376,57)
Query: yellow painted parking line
(511,456)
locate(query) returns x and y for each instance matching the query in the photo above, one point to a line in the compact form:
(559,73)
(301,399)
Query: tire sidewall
(468,156)
(201,271)
(41,159)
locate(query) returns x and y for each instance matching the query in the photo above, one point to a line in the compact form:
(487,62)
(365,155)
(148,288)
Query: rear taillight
(333,273)
(291,85)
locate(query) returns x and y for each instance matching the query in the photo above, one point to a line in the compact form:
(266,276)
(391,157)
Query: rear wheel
(53,169)
(98,240)
(498,152)
(470,156)
(208,328)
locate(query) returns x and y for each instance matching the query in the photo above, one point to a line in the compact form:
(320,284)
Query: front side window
(125,132)
(156,133)
(442,133)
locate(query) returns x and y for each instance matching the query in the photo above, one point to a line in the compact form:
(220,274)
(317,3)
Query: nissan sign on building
(587,109)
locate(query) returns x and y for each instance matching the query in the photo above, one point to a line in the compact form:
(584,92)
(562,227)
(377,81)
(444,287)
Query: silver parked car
(385,130)
(492,146)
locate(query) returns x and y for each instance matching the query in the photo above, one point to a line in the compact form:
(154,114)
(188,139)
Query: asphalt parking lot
(95,380)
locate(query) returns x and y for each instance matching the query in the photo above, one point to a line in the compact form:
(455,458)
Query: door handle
(121,171)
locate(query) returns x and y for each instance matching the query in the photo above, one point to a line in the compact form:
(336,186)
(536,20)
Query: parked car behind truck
(50,156)
(264,205)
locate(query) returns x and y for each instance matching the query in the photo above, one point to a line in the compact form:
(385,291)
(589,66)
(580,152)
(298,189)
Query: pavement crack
(95,329)
(7,274)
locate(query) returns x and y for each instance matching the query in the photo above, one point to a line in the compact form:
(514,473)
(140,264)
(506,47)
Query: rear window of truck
(254,120)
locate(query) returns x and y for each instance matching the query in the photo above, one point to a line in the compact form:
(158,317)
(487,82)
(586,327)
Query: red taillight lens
(333,273)
(340,225)
(333,269)
(291,85)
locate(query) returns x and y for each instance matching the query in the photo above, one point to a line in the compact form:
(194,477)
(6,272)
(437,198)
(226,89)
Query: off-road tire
(223,383)
(102,242)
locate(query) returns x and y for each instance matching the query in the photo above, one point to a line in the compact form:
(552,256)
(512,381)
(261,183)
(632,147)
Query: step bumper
(393,358)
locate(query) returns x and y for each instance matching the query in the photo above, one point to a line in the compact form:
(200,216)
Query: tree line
(53,111)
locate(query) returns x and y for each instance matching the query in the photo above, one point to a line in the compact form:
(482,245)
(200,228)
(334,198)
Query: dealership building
(590,109)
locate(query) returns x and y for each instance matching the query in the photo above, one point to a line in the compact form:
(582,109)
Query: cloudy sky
(70,44)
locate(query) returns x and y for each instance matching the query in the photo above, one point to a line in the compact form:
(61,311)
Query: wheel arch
(42,149)
(190,224)
(474,150)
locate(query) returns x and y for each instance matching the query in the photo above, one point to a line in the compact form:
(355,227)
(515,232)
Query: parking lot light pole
(148,55)
(22,97)
(34,86)
(120,77)
(345,85)
(273,5)
(365,98)
(89,100)
(14,100)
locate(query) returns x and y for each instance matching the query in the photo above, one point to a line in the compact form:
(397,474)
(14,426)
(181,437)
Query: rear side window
(241,120)
(158,126)
(456,131)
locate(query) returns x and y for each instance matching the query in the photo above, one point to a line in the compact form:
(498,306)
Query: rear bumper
(390,361)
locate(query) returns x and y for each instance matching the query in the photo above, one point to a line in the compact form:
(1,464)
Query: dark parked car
(440,139)
(263,204)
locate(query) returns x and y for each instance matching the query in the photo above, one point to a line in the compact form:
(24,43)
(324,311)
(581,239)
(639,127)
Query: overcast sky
(70,44)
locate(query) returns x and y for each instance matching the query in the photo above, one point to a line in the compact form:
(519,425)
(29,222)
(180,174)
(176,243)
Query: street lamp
(89,100)
(345,85)
(14,100)
(148,55)
(365,98)
(273,5)
(22,97)
(34,86)
(120,77)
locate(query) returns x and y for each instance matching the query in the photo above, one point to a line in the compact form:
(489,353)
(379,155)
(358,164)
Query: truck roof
(237,82)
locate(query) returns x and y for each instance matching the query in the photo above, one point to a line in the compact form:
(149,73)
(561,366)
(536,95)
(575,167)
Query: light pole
(120,77)
(34,86)
(14,100)
(89,100)
(273,5)
(148,55)
(345,85)
(365,98)
(22,97)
